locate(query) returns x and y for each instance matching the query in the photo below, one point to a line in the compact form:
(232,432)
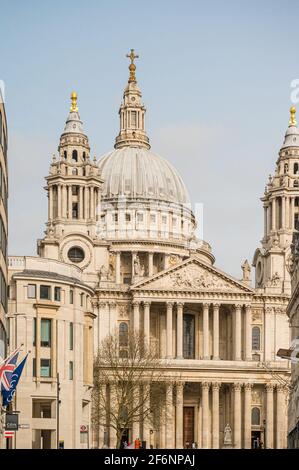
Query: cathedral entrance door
(188,431)
(256,439)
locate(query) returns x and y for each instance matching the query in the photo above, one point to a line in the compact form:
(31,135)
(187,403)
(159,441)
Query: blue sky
(215,78)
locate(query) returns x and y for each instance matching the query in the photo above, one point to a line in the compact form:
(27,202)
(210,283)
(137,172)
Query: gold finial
(132,67)
(292,121)
(74,107)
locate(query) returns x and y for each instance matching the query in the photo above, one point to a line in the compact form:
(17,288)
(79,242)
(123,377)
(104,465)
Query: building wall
(70,351)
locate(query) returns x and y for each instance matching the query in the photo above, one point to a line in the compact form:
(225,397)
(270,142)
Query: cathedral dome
(137,173)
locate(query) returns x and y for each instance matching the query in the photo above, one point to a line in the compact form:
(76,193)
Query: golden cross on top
(132,66)
(132,56)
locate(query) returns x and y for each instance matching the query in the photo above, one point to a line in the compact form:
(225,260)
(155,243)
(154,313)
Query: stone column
(268,220)
(80,203)
(269,416)
(205,387)
(287,212)
(150,264)
(216,332)
(237,415)
(50,203)
(92,215)
(273,214)
(179,330)
(117,267)
(112,404)
(146,322)
(283,212)
(265,221)
(280,417)
(70,208)
(134,254)
(146,407)
(59,201)
(248,327)
(206,353)
(292,212)
(169,330)
(179,415)
(215,414)
(169,416)
(238,332)
(247,416)
(136,316)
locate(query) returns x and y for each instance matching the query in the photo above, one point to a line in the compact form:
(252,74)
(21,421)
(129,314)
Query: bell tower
(281,216)
(73,186)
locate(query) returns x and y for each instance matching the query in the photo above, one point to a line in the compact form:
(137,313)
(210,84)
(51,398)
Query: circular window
(76,254)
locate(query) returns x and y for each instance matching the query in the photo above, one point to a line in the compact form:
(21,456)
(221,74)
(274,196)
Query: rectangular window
(81,299)
(45,332)
(41,409)
(71,370)
(133,118)
(71,336)
(139,217)
(57,294)
(75,213)
(45,292)
(115,217)
(34,367)
(71,296)
(164,219)
(128,217)
(45,367)
(188,336)
(31,291)
(153,219)
(75,190)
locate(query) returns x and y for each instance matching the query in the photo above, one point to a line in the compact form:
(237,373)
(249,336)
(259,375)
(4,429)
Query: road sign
(24,426)
(9,434)
(11,422)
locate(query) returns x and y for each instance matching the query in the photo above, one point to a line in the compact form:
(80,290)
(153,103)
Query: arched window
(286,168)
(256,338)
(74,171)
(84,156)
(64,155)
(123,334)
(75,156)
(255,416)
(296,168)
(296,184)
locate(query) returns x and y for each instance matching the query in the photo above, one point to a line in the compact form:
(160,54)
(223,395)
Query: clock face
(259,271)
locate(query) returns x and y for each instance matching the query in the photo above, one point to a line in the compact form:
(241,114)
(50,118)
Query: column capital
(102,304)
(206,305)
(180,304)
(269,387)
(238,306)
(248,386)
(146,303)
(216,306)
(248,307)
(136,303)
(205,385)
(112,304)
(237,386)
(281,388)
(216,385)
(180,385)
(170,304)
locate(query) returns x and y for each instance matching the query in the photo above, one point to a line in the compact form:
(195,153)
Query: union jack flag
(6,369)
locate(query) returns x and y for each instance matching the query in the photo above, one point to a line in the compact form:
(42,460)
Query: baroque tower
(74,192)
(281,212)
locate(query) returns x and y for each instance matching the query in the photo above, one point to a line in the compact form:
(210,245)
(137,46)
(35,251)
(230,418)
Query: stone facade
(3,237)
(126,223)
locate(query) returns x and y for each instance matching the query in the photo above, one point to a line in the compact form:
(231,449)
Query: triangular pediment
(192,275)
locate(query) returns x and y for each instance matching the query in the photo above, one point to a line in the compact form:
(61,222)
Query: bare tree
(128,385)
